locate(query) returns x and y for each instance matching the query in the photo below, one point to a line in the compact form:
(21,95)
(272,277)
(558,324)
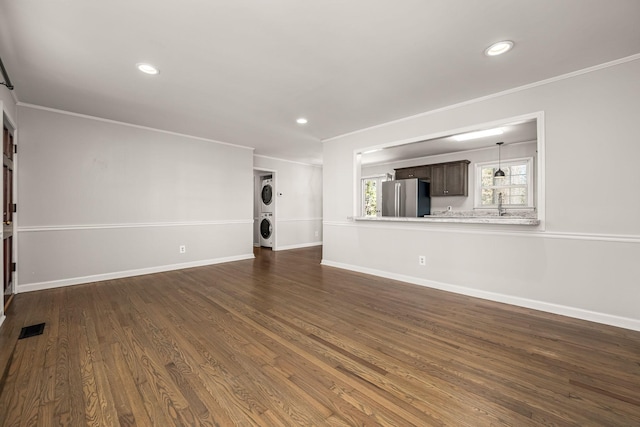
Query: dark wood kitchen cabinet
(423,172)
(450,179)
(447,179)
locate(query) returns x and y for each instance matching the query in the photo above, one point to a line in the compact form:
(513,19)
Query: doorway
(8,152)
(264,209)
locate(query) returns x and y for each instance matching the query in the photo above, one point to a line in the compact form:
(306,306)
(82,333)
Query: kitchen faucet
(501,210)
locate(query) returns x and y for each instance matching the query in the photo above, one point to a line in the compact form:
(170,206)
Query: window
(516,187)
(372,195)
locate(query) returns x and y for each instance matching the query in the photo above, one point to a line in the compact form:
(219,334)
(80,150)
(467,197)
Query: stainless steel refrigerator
(406,198)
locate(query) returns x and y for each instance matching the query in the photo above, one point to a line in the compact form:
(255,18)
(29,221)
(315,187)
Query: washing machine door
(267,194)
(265,228)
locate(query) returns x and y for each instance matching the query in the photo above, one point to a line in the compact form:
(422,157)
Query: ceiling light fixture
(499,173)
(478,134)
(302,121)
(499,48)
(147,69)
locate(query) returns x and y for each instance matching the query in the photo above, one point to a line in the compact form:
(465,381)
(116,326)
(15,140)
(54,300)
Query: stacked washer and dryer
(267,221)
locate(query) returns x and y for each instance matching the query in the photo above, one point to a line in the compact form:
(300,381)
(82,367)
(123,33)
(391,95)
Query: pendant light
(499,173)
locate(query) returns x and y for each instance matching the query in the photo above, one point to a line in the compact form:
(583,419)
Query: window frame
(380,178)
(528,161)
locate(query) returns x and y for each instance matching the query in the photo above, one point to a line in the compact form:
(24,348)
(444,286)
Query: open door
(8,210)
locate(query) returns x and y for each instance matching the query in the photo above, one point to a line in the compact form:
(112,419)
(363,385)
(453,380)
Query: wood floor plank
(216,373)
(317,354)
(281,340)
(350,364)
(21,382)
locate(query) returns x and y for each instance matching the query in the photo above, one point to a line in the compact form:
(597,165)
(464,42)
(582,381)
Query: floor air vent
(31,331)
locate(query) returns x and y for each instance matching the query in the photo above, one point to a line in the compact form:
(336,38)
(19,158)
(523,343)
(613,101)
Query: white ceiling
(242,71)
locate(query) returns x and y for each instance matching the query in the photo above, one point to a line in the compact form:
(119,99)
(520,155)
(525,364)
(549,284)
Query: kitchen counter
(461,218)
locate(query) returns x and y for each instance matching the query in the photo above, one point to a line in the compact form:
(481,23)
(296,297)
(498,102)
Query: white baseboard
(2,319)
(578,313)
(128,273)
(299,246)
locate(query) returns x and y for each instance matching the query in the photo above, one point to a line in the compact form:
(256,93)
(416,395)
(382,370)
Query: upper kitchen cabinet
(423,172)
(447,179)
(450,179)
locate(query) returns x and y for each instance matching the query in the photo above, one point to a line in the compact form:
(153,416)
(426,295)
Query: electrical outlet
(317,233)
(422,260)
(183,249)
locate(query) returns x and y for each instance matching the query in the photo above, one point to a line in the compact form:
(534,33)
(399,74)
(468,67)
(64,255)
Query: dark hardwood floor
(282,341)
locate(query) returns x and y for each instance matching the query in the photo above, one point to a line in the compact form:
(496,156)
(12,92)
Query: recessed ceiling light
(478,134)
(302,121)
(499,48)
(147,68)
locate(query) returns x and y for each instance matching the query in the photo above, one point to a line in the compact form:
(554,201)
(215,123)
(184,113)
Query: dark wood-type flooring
(283,341)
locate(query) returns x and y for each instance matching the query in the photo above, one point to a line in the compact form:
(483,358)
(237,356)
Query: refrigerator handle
(397,200)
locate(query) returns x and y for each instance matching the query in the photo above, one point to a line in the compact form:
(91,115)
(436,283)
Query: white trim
(434,227)
(259,169)
(12,122)
(298,219)
(2,317)
(620,238)
(578,313)
(16,201)
(380,175)
(315,165)
(357,183)
(100,119)
(128,273)
(30,229)
(298,246)
(491,96)
(540,164)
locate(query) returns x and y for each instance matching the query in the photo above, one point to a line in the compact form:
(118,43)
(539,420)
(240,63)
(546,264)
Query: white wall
(458,203)
(298,209)
(582,262)
(100,199)
(8,104)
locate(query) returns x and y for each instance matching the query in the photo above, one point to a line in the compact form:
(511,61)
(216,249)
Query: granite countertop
(466,217)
